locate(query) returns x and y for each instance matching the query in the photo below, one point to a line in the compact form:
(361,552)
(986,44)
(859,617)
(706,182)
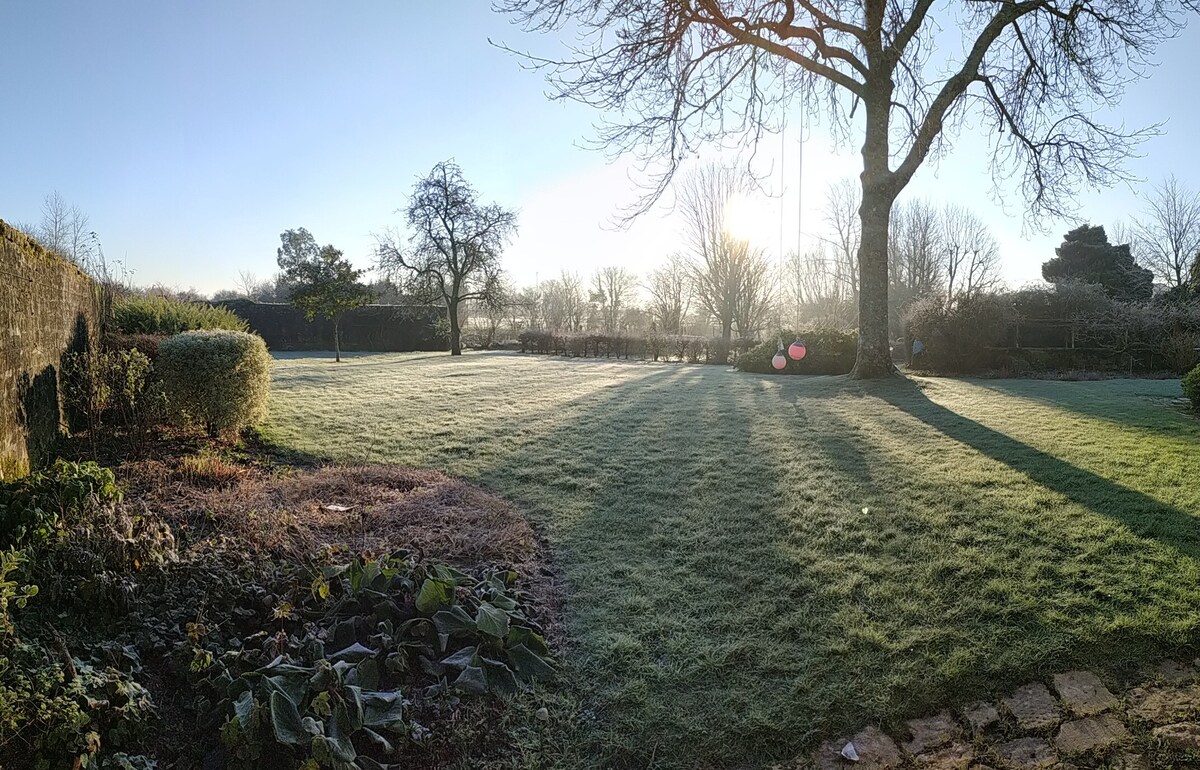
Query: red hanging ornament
(779,361)
(797,350)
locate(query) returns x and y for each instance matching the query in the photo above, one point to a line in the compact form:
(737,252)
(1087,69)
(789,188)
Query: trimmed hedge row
(830,351)
(163,316)
(652,347)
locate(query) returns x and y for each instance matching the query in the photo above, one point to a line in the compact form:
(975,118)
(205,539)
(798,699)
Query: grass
(755,562)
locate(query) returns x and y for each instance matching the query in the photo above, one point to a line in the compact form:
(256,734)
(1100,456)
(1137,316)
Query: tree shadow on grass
(1137,404)
(1141,513)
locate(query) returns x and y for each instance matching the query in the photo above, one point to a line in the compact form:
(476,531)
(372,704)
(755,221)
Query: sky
(192,134)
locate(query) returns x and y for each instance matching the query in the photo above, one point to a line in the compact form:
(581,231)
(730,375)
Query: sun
(747,218)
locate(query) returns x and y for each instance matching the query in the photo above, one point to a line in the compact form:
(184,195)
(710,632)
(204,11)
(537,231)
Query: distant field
(757,561)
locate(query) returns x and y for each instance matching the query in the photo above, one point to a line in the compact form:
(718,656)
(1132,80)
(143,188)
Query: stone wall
(48,309)
(379,328)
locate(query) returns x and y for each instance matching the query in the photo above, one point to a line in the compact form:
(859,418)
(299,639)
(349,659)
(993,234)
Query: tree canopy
(1086,256)
(451,253)
(321,281)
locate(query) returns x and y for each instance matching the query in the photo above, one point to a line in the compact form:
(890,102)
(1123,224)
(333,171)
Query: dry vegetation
(371,508)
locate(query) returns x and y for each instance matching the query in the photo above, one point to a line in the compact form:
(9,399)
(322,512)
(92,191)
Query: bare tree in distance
(688,73)
(247,284)
(670,294)
(452,251)
(916,249)
(613,289)
(725,270)
(563,305)
(843,199)
(66,230)
(753,298)
(1167,235)
(971,256)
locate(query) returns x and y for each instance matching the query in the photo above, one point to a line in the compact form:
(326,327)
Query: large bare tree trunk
(878,194)
(455,331)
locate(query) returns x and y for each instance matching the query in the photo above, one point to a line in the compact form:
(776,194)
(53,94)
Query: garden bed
(219,558)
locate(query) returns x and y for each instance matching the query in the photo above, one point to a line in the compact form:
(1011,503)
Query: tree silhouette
(1086,256)
(453,247)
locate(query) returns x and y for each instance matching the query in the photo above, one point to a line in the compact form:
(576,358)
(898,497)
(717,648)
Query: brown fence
(48,309)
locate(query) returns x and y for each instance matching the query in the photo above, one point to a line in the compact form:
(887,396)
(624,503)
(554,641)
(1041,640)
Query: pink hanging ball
(797,350)
(779,361)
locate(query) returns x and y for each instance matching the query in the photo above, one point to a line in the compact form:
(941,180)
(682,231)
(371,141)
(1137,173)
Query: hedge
(651,347)
(829,351)
(1191,386)
(163,316)
(217,378)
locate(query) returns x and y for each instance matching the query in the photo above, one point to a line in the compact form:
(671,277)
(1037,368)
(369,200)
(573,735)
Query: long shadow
(1142,514)
(1138,404)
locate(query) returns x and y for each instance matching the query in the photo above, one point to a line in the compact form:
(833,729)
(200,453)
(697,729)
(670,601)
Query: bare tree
(1168,234)
(842,202)
(692,72)
(247,284)
(670,294)
(811,278)
(66,230)
(613,289)
(525,308)
(730,279)
(753,298)
(915,249)
(970,254)
(454,244)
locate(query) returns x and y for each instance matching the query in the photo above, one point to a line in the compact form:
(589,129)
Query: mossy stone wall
(48,309)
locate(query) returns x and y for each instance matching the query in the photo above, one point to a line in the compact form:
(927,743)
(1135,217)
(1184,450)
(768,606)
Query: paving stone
(1130,761)
(956,756)
(1084,735)
(1184,736)
(1083,693)
(1034,707)
(876,751)
(981,715)
(1162,705)
(1174,672)
(930,732)
(1026,754)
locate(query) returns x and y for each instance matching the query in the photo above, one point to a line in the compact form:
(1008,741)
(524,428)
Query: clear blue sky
(193,133)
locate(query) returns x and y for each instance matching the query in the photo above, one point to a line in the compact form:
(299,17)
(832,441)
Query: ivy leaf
(454,622)
(243,707)
(378,739)
(285,720)
(435,594)
(338,742)
(461,659)
(472,680)
(528,637)
(528,664)
(382,709)
(492,621)
(501,680)
(353,654)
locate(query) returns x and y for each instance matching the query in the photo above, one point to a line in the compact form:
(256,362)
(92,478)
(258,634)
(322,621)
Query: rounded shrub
(216,378)
(1191,386)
